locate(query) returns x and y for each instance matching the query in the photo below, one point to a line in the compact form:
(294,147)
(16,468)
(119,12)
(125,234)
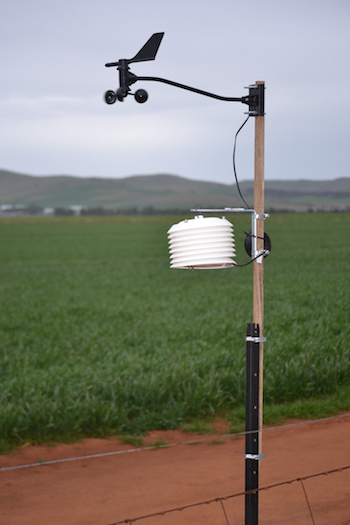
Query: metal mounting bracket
(262,216)
(251,339)
(256,100)
(254,217)
(256,457)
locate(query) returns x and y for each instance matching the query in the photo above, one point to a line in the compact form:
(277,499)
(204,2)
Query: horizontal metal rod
(244,100)
(223,210)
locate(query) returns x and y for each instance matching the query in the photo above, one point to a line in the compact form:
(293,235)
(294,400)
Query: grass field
(99,336)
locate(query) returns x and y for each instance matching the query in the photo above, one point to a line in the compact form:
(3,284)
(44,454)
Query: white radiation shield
(202,243)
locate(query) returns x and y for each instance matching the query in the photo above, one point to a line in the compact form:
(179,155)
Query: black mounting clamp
(255,98)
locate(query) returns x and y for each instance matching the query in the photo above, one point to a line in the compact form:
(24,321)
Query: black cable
(251,235)
(234,162)
(262,254)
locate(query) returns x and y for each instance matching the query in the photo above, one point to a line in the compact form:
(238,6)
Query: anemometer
(255,98)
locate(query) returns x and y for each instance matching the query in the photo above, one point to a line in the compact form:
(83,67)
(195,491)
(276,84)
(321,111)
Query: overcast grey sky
(54,119)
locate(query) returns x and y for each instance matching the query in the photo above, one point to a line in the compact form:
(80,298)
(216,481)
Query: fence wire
(231,496)
(150,447)
(307,501)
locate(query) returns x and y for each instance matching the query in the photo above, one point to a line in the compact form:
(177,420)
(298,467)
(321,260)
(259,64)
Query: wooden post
(258,271)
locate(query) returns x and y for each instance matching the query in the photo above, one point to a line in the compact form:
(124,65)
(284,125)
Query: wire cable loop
(234,161)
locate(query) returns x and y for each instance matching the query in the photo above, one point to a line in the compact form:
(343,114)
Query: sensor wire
(234,162)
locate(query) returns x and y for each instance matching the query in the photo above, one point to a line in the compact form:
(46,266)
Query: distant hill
(164,192)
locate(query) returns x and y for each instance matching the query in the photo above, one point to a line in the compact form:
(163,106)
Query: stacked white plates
(202,243)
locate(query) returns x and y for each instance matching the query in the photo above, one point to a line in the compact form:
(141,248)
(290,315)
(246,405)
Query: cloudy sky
(54,120)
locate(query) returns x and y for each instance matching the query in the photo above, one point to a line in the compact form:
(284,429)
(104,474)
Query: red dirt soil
(110,489)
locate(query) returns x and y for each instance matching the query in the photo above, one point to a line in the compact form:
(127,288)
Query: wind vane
(255,98)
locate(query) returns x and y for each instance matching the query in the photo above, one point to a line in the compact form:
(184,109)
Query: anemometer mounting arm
(255,98)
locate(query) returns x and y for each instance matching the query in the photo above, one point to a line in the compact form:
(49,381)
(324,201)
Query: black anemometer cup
(141,96)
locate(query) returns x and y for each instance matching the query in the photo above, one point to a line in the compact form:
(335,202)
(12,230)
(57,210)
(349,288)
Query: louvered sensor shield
(202,243)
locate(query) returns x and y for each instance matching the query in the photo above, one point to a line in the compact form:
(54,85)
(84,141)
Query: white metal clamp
(262,216)
(256,457)
(252,339)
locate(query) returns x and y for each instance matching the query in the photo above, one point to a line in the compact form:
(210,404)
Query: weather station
(207,242)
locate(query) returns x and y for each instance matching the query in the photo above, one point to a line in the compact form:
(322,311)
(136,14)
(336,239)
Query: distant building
(12,210)
(76,209)
(48,212)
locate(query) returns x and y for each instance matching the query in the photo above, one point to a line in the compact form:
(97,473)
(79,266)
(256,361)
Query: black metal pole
(252,425)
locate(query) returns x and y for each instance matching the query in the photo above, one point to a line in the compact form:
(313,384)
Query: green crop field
(99,336)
